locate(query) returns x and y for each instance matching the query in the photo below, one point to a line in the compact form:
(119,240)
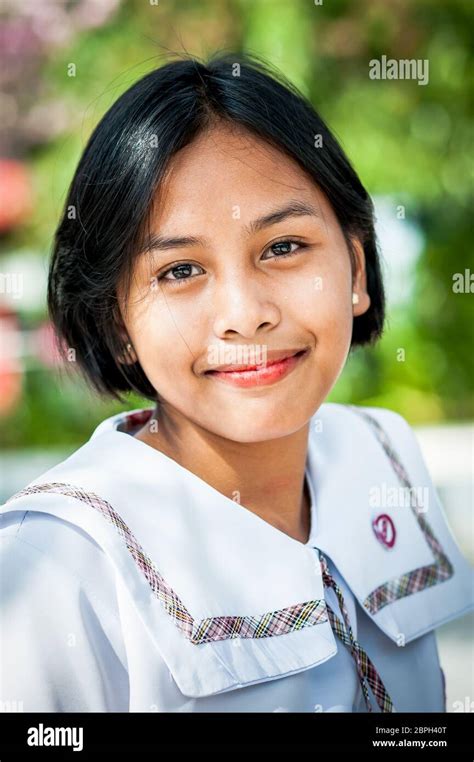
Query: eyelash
(181,281)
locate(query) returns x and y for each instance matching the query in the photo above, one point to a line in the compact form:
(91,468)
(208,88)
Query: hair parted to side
(112,192)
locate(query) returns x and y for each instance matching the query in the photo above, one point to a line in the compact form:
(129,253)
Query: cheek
(165,338)
(334,326)
(322,298)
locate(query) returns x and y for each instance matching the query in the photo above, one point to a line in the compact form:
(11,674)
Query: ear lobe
(363,304)
(127,356)
(359,280)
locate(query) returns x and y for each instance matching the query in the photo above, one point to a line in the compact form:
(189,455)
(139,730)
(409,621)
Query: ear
(128,355)
(359,279)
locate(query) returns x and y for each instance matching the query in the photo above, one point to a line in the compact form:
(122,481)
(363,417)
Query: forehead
(228,169)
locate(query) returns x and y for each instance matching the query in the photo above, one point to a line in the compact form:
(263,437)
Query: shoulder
(398,439)
(39,550)
(61,633)
(377,420)
(66,515)
(394,433)
(389,420)
(343,411)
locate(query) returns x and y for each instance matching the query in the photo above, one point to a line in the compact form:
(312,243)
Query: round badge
(384,530)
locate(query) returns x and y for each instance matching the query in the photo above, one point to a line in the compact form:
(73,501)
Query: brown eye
(285,248)
(181,273)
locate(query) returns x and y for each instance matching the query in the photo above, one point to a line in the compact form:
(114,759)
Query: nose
(243,305)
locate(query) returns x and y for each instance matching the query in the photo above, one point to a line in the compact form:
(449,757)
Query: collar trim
(270,623)
(396,588)
(237,651)
(266,625)
(424,576)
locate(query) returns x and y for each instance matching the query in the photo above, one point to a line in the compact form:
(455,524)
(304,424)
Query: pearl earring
(129,347)
(355,298)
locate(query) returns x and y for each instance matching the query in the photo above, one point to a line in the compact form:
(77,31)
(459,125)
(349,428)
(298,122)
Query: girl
(241,545)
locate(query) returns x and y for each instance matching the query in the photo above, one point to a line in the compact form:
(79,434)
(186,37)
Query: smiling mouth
(259,375)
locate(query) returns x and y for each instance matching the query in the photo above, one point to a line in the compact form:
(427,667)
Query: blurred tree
(409,142)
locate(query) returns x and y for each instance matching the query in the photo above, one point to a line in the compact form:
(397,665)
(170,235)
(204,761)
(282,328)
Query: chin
(250,429)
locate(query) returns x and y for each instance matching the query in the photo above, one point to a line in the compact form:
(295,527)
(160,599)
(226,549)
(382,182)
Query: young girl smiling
(222,550)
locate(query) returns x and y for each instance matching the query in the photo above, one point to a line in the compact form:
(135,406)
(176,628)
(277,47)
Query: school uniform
(129,584)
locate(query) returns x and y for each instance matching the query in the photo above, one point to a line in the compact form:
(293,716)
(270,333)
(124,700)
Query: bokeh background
(62,64)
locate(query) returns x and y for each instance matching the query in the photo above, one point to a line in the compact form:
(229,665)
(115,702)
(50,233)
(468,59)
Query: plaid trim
(266,625)
(273,623)
(368,675)
(424,576)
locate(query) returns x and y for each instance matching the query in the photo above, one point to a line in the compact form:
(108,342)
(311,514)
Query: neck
(267,478)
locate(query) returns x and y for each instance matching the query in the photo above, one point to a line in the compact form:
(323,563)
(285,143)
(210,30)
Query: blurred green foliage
(407,141)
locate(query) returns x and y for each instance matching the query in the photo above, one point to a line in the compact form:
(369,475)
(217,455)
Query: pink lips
(262,376)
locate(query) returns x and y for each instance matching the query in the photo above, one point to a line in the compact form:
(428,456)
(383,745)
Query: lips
(273,357)
(262,375)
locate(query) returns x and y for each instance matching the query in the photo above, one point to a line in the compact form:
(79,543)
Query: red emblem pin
(384,530)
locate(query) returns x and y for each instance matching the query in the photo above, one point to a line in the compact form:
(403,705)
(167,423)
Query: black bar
(442,733)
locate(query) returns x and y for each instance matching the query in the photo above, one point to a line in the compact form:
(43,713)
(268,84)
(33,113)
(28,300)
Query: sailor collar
(229,599)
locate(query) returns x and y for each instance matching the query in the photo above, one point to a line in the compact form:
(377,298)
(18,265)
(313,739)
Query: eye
(285,248)
(182,272)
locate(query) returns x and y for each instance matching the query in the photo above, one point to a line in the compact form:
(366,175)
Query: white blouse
(129,584)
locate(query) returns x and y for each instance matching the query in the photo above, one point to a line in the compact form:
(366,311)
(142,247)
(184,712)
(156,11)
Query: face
(250,265)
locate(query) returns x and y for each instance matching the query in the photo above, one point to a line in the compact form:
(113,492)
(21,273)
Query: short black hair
(112,191)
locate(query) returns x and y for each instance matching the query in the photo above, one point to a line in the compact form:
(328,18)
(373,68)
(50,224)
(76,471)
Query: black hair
(112,192)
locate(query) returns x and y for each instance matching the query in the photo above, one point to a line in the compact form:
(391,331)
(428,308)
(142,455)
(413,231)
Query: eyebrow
(157,242)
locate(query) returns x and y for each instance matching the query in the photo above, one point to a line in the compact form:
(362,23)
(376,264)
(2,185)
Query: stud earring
(355,298)
(129,347)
